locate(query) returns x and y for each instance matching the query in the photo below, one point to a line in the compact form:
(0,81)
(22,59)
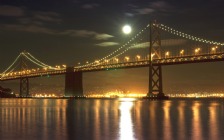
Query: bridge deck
(124,65)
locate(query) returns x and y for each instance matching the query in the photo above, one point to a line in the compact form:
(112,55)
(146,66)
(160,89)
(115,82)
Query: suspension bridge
(154,46)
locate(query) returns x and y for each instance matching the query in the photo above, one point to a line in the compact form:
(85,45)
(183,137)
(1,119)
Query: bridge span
(156,57)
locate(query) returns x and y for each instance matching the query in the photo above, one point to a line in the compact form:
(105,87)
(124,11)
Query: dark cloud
(157,6)
(30,21)
(44,30)
(90,6)
(47,16)
(25,28)
(13,11)
(79,33)
(160,5)
(145,11)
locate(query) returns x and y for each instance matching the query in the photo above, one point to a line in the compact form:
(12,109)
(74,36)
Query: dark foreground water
(61,119)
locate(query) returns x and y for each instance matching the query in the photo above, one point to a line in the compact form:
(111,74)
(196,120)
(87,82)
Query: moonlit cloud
(107,44)
(103,36)
(12,11)
(87,34)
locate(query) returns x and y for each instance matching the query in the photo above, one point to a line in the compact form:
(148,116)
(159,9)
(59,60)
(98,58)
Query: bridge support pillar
(73,83)
(155,71)
(24,87)
(155,81)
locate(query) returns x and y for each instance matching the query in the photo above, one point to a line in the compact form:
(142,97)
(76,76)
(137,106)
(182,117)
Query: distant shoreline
(106,98)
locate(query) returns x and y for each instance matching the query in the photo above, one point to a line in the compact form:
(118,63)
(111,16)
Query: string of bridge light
(7,72)
(28,59)
(3,73)
(187,36)
(114,57)
(111,54)
(36,61)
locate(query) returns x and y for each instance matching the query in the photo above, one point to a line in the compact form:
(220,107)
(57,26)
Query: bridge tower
(155,71)
(24,81)
(73,83)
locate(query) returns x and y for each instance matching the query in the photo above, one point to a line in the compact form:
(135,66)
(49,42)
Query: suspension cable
(11,64)
(187,36)
(116,51)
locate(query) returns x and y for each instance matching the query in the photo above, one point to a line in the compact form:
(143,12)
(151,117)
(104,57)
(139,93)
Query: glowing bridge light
(197,50)
(152,55)
(213,49)
(126,58)
(117,60)
(64,66)
(181,52)
(138,57)
(167,54)
(106,60)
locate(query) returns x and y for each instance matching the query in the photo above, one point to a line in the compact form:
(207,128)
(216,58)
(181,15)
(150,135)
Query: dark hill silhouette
(6,93)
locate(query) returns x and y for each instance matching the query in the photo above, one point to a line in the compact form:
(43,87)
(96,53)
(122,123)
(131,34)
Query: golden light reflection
(127,99)
(213,122)
(117,94)
(138,127)
(152,111)
(167,123)
(23,115)
(106,118)
(181,119)
(196,122)
(126,124)
(97,121)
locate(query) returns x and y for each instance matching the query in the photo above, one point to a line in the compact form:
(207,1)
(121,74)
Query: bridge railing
(163,61)
(30,73)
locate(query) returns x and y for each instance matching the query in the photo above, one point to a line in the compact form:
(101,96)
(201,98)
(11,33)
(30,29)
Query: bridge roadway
(123,65)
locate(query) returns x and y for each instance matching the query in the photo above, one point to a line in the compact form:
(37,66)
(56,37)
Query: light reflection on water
(126,124)
(58,119)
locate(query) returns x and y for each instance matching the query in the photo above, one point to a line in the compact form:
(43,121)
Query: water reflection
(126,124)
(24,119)
(196,122)
(181,120)
(167,122)
(213,120)
(111,119)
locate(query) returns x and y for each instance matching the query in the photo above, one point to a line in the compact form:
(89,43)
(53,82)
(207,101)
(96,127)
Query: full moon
(127,29)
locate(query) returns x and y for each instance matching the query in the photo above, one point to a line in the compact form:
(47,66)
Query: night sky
(72,31)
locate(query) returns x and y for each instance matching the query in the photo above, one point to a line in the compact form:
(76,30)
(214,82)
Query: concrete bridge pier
(73,83)
(24,87)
